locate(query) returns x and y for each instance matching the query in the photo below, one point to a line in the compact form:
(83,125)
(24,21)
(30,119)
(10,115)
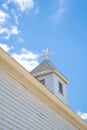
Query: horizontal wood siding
(49,81)
(22,110)
(63,96)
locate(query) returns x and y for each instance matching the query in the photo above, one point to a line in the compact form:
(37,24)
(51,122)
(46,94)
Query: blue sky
(29,26)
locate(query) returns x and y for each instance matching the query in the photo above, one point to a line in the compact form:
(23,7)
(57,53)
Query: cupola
(51,78)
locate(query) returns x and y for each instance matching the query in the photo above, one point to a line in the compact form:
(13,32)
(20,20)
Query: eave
(66,81)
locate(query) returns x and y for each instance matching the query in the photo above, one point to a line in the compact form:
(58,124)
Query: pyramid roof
(47,67)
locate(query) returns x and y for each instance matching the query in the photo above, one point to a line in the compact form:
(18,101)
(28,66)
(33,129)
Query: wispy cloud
(5,6)
(6,47)
(37,11)
(83,115)
(26,58)
(13,30)
(5,28)
(61,9)
(23,4)
(3,17)
(15,16)
(10,14)
(21,40)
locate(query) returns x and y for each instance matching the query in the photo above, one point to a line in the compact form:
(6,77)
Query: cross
(46,54)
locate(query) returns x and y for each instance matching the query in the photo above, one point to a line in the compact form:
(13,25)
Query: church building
(35,100)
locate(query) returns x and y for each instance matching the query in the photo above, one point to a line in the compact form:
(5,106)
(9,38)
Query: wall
(49,81)
(63,96)
(21,109)
(52,83)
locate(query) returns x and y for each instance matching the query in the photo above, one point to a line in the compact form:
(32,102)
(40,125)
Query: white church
(35,100)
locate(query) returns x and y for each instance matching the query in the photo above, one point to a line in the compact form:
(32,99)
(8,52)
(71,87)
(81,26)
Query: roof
(47,67)
(44,66)
(14,69)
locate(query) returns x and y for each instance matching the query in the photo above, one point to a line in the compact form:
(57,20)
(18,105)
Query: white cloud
(5,6)
(15,16)
(13,30)
(21,40)
(83,115)
(9,21)
(25,54)
(23,4)
(37,11)
(6,47)
(26,58)
(59,14)
(3,17)
(4,29)
(60,11)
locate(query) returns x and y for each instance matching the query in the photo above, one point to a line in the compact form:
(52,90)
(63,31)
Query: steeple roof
(47,67)
(44,66)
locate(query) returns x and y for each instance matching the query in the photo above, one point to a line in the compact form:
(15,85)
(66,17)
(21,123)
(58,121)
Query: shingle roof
(47,67)
(44,66)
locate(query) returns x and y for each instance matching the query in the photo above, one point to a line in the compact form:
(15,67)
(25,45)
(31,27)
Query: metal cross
(46,54)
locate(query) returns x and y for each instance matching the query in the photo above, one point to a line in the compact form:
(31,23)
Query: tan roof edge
(62,77)
(26,79)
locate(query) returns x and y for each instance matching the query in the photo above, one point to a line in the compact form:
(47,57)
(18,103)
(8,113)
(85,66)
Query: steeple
(49,75)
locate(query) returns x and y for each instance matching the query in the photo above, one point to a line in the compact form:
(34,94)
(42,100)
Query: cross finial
(46,53)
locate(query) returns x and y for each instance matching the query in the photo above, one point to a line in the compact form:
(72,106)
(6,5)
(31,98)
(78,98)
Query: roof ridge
(50,63)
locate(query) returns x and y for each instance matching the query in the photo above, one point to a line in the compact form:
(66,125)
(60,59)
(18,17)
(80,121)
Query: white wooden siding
(63,96)
(49,81)
(22,110)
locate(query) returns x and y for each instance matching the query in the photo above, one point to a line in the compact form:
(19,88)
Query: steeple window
(60,88)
